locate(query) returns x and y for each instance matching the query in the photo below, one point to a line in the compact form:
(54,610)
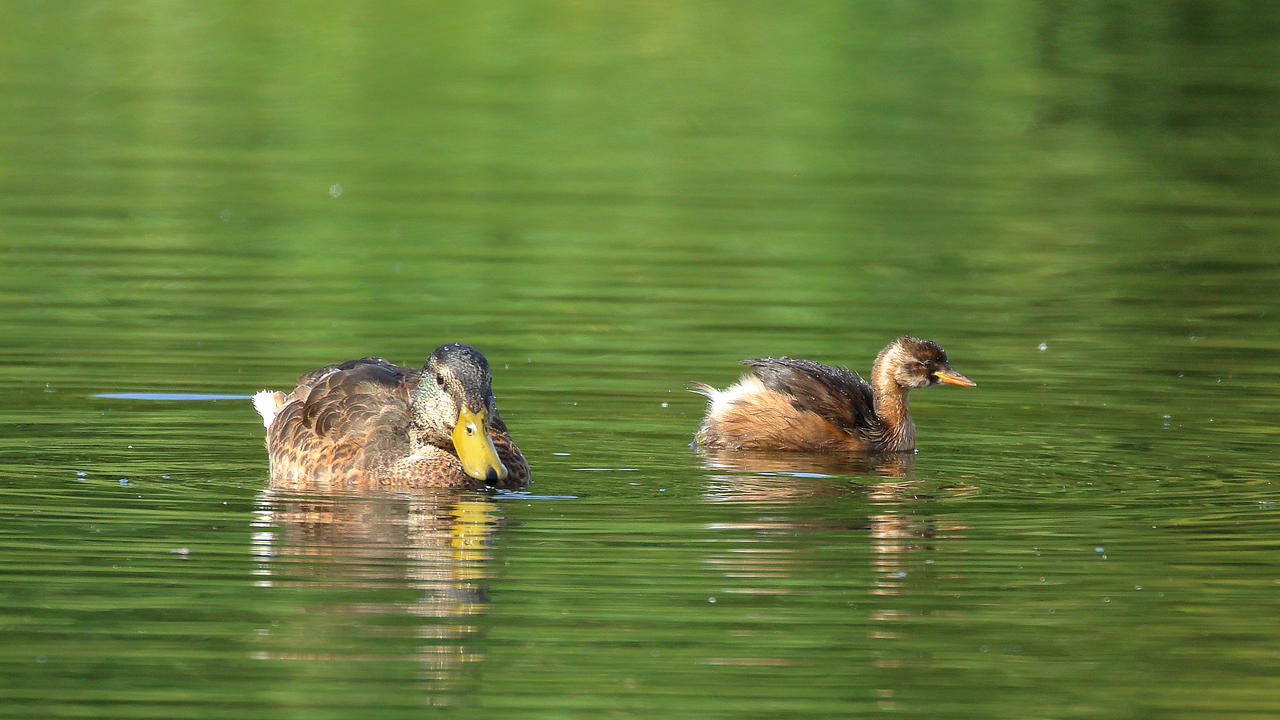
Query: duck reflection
(351,570)
(781,462)
(788,495)
(786,487)
(777,479)
(901,520)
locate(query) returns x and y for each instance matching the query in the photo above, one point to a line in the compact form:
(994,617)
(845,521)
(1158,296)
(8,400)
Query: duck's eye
(440,379)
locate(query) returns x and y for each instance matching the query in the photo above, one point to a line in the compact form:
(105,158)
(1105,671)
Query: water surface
(1078,202)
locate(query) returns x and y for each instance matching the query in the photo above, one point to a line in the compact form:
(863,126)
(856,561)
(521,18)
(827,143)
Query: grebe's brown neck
(891,397)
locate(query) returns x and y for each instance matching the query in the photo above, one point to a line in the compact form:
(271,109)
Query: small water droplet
(1042,347)
(712,599)
(664,404)
(124,481)
(1099,549)
(335,190)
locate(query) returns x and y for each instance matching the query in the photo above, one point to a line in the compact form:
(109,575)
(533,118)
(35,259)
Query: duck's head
(911,363)
(453,407)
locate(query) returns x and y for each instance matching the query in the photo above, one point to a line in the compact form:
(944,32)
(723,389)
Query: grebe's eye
(440,379)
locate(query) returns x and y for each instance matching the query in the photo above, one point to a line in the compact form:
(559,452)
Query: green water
(1078,200)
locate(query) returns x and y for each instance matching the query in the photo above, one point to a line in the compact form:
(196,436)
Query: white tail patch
(721,400)
(268,403)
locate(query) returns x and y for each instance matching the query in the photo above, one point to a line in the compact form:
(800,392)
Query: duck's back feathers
(353,399)
(789,404)
(834,393)
(340,422)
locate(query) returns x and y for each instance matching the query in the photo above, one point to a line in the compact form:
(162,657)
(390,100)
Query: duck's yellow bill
(475,449)
(951,377)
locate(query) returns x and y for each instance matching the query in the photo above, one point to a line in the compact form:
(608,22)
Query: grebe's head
(914,363)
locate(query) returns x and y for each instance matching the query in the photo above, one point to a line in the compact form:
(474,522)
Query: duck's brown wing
(512,458)
(835,393)
(342,419)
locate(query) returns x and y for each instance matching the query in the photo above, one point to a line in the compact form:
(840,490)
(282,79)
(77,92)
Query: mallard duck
(790,404)
(371,423)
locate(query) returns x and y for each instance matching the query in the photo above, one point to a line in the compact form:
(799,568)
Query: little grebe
(370,423)
(789,404)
